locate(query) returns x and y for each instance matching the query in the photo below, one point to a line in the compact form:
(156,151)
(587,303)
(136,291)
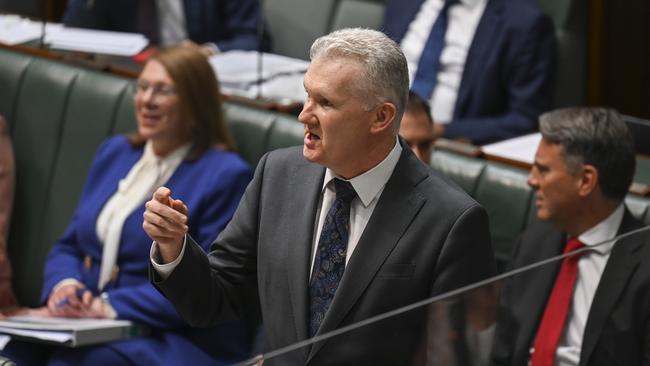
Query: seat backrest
(463,170)
(12,71)
(250,129)
(295,24)
(38,122)
(506,196)
(358,13)
(570,20)
(286,131)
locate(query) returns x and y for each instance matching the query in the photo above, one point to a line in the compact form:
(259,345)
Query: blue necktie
(426,75)
(329,263)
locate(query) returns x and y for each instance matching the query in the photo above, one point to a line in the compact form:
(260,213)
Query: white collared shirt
(133,190)
(590,269)
(368,186)
(461,27)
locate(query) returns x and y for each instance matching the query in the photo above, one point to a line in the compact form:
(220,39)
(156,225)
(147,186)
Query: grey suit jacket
(618,325)
(425,237)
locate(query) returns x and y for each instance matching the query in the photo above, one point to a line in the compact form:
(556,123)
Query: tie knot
(344,190)
(573,244)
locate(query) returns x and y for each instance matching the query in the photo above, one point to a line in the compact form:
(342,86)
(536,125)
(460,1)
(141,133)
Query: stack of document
(15,29)
(96,41)
(254,74)
(66,331)
(520,149)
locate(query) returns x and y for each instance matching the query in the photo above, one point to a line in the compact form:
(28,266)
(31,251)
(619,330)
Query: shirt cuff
(165,270)
(109,310)
(67,281)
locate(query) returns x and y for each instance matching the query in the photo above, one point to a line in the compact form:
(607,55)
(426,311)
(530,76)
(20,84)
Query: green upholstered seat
(505,194)
(286,131)
(463,170)
(250,129)
(12,71)
(38,121)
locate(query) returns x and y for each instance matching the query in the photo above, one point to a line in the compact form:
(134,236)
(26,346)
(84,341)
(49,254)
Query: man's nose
(306,114)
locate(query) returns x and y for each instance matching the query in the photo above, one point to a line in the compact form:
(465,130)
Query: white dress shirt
(368,186)
(143,179)
(171,21)
(463,18)
(590,269)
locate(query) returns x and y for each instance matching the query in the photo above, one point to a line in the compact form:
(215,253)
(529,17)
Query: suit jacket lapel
(306,183)
(620,266)
(375,244)
(482,44)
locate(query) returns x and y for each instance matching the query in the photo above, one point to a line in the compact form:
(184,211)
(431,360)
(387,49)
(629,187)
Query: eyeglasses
(162,90)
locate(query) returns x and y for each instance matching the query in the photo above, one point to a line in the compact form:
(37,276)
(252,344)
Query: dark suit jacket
(425,237)
(618,328)
(230,24)
(508,77)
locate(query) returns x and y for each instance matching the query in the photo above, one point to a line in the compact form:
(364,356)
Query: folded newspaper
(66,331)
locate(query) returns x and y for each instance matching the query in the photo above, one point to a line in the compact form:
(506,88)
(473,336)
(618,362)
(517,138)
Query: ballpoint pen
(63,302)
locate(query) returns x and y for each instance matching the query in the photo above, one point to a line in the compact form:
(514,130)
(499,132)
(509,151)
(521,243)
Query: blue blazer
(508,77)
(211,186)
(230,24)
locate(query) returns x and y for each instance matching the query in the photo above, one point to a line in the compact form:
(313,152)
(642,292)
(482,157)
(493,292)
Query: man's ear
(589,180)
(384,117)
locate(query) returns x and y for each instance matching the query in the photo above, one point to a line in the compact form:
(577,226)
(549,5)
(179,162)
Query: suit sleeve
(467,255)
(223,284)
(527,75)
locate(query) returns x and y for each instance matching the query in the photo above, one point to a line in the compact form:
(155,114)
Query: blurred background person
(99,267)
(417,127)
(215,25)
(486,66)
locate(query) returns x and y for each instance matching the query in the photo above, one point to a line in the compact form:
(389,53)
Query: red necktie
(557,309)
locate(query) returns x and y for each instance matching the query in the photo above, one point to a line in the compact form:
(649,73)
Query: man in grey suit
(346,227)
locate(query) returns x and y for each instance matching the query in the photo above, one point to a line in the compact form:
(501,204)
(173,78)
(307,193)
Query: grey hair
(386,72)
(594,136)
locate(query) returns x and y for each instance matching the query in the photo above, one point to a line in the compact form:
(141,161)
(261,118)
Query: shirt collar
(370,183)
(604,230)
(178,154)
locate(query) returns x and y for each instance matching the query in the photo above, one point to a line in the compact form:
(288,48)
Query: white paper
(96,41)
(65,331)
(4,339)
(520,148)
(279,77)
(15,29)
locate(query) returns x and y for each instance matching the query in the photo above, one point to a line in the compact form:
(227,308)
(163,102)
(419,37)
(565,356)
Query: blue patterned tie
(329,263)
(426,75)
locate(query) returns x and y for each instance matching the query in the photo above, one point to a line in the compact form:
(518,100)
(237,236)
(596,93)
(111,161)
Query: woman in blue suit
(99,267)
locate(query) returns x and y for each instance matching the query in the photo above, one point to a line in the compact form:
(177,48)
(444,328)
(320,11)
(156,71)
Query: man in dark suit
(591,308)
(224,24)
(496,67)
(288,255)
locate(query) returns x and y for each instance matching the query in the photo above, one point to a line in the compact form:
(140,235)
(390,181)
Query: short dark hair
(416,104)
(594,136)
